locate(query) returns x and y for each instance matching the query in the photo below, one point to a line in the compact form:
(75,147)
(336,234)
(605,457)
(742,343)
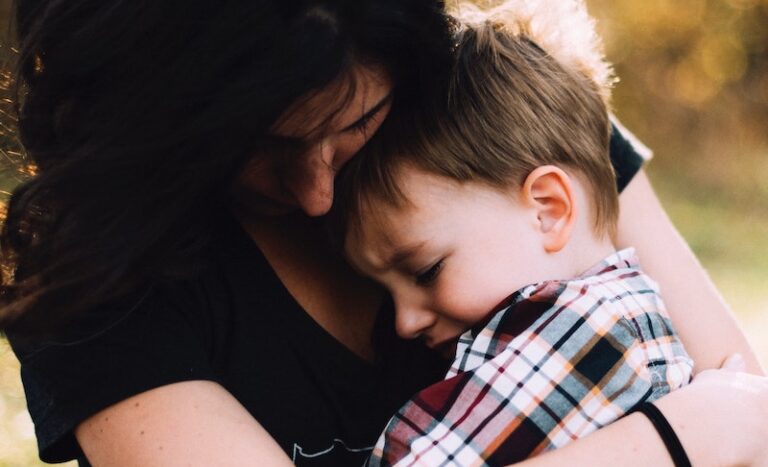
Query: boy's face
(450,256)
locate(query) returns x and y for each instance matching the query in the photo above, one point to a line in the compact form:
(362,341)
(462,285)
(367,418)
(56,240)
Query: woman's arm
(182,424)
(719,418)
(701,317)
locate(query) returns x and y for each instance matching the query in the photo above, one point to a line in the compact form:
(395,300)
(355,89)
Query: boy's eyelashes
(428,276)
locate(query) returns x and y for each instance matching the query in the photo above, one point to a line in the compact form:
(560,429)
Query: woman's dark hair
(137,115)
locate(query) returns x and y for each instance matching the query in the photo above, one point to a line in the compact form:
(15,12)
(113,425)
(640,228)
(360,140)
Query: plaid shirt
(558,361)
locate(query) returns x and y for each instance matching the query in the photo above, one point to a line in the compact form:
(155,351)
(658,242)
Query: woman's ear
(551,193)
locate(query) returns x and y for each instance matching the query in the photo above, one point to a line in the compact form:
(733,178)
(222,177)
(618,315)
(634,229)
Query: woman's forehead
(336,106)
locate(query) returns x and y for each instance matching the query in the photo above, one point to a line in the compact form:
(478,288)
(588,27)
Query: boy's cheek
(465,303)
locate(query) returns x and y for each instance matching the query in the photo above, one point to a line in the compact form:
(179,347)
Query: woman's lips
(260,203)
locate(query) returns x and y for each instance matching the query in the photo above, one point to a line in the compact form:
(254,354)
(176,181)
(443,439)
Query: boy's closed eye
(429,275)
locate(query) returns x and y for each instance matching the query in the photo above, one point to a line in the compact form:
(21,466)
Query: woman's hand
(721,417)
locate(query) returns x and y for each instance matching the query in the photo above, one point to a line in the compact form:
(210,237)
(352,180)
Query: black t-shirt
(237,325)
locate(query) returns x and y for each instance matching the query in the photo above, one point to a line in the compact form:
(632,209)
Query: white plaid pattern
(562,359)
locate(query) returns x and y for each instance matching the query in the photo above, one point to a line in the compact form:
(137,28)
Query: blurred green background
(694,88)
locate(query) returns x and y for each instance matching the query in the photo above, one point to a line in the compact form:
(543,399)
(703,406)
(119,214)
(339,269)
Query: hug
(176,298)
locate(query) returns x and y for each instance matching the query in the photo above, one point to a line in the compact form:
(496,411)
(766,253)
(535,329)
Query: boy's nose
(412,321)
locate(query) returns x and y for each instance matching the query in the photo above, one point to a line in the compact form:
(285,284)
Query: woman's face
(284,181)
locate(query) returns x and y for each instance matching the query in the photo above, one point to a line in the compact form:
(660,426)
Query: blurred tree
(10,148)
(694,86)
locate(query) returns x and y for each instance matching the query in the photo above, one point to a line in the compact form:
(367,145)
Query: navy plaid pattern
(558,360)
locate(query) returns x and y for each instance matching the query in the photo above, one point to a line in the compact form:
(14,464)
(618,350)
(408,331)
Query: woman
(175,301)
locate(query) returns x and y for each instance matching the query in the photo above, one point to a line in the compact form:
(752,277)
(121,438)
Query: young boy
(508,188)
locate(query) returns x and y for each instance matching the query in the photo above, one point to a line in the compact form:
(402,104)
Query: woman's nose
(412,321)
(312,184)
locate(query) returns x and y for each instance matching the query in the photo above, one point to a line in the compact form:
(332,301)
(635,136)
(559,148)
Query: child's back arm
(719,418)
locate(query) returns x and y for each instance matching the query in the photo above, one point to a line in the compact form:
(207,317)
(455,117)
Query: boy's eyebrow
(370,113)
(401,254)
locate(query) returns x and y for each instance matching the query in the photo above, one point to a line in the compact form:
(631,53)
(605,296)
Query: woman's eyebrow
(370,113)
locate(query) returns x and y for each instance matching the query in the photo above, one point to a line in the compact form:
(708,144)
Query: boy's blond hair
(562,28)
(528,88)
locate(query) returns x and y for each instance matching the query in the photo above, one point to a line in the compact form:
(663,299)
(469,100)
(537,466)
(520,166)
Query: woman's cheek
(257,176)
(347,146)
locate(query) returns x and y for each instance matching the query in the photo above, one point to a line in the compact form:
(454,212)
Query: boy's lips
(446,347)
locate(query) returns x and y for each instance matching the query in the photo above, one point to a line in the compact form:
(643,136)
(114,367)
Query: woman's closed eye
(360,126)
(429,275)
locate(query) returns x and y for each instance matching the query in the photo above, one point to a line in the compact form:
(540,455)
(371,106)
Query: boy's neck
(583,252)
(585,246)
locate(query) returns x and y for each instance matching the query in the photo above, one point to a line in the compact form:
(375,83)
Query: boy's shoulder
(614,290)
(613,279)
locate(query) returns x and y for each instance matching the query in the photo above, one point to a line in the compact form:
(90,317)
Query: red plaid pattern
(558,361)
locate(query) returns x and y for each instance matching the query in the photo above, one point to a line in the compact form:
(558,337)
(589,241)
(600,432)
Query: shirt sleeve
(151,344)
(627,154)
(574,370)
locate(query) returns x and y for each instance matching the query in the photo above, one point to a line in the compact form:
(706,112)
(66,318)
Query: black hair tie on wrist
(674,446)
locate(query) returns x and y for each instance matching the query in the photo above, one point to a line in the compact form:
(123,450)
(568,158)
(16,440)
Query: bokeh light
(693,86)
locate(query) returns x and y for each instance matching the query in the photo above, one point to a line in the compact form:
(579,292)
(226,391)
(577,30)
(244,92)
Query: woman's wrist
(666,433)
(720,418)
(691,422)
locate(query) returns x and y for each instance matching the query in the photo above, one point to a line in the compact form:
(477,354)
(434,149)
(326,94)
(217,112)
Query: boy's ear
(551,193)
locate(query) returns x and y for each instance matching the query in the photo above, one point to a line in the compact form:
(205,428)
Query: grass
(729,234)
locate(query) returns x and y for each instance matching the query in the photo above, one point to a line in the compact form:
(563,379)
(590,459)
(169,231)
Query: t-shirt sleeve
(149,344)
(627,153)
